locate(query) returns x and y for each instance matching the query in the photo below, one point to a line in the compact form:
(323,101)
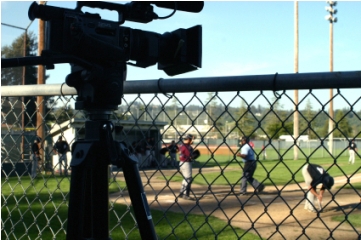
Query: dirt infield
(278,213)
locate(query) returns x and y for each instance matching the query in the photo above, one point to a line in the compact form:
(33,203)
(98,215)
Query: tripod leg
(77,198)
(88,200)
(138,197)
(100,197)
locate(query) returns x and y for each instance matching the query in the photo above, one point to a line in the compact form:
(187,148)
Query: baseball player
(185,166)
(250,165)
(61,147)
(352,150)
(36,156)
(314,175)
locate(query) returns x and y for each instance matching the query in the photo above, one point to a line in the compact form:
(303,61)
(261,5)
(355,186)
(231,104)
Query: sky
(240,38)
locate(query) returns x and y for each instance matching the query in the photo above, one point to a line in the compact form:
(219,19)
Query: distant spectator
(173,150)
(35,149)
(163,159)
(264,152)
(149,152)
(251,144)
(152,150)
(352,150)
(61,148)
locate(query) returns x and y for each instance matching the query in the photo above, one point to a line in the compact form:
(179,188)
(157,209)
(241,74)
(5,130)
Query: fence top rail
(271,82)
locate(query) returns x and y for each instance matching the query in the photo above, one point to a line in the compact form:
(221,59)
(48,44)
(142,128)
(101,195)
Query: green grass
(270,172)
(353,219)
(38,210)
(285,154)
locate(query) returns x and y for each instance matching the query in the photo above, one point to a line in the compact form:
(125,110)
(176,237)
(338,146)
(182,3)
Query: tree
(14,76)
(278,121)
(246,121)
(307,125)
(211,105)
(343,129)
(62,114)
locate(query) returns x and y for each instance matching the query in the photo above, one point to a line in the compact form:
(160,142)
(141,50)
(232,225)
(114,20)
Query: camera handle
(89,196)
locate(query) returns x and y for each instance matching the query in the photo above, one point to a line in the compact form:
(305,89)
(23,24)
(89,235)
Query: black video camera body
(103,48)
(87,36)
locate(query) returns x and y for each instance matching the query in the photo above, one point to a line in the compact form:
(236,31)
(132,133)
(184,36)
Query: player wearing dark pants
(314,175)
(36,157)
(250,165)
(61,147)
(173,150)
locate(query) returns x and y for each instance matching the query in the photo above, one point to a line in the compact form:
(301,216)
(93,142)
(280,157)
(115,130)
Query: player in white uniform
(314,175)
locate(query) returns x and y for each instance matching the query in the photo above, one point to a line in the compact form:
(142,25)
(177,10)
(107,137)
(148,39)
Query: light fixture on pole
(332,11)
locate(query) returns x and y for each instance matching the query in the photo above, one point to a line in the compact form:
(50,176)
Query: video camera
(103,48)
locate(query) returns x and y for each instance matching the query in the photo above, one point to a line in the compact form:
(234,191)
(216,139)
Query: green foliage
(277,121)
(276,129)
(14,76)
(248,119)
(211,106)
(307,121)
(343,129)
(62,114)
(245,123)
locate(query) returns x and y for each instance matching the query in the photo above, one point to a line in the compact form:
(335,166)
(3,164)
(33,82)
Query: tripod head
(105,48)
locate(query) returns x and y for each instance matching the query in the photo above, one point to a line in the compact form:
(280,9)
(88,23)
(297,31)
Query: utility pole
(332,20)
(295,115)
(41,80)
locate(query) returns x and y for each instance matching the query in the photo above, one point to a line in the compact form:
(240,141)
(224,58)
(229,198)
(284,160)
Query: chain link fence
(36,208)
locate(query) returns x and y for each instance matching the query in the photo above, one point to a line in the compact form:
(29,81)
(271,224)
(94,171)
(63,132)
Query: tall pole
(295,115)
(331,19)
(41,80)
(23,104)
(330,121)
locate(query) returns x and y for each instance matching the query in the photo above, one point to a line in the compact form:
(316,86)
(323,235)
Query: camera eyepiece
(33,11)
(45,12)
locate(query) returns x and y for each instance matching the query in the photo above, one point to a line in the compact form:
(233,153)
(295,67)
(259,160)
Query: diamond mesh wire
(36,208)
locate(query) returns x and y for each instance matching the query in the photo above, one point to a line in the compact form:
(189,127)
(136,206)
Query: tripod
(89,197)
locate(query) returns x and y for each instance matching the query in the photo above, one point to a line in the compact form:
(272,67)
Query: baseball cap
(189,136)
(244,138)
(328,181)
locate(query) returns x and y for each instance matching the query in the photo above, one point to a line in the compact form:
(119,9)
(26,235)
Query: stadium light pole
(295,115)
(332,20)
